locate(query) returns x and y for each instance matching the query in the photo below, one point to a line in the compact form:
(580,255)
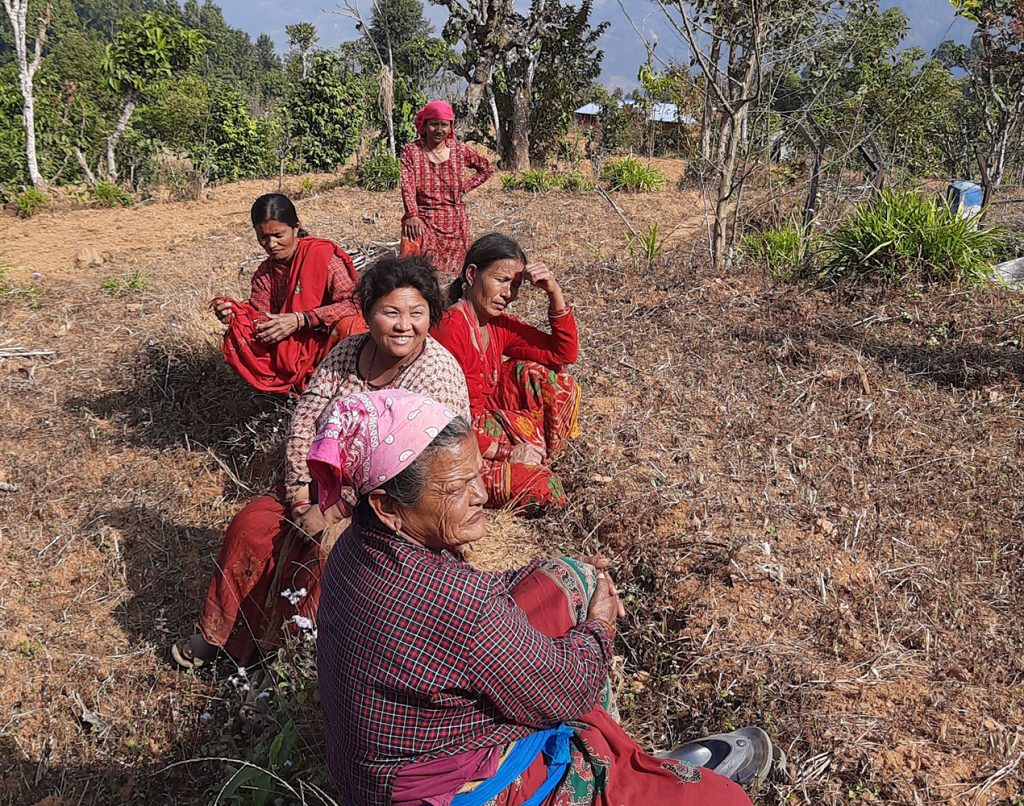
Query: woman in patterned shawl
(434,180)
(525,408)
(445,686)
(268,570)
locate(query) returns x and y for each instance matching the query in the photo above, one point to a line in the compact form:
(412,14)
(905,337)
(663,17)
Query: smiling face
(494,288)
(399,322)
(277,239)
(450,511)
(437,132)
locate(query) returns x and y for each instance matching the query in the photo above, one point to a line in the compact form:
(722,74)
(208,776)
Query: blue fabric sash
(553,743)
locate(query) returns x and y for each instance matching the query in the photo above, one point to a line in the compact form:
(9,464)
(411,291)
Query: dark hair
(407,487)
(391,272)
(275,207)
(485,250)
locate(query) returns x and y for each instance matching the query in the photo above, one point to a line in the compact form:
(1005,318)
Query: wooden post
(986,182)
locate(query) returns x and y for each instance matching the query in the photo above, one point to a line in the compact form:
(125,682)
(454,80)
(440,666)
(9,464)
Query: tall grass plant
(902,236)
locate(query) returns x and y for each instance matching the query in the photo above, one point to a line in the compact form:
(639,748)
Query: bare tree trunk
(387,103)
(495,117)
(482,72)
(115,137)
(517,157)
(17,10)
(90,177)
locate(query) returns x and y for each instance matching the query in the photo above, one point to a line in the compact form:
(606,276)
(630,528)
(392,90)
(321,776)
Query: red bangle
(559,313)
(306,503)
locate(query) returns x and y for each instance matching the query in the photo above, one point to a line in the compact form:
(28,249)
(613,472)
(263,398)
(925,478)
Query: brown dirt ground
(814,499)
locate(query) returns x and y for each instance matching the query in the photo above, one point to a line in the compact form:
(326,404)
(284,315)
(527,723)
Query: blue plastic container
(965,198)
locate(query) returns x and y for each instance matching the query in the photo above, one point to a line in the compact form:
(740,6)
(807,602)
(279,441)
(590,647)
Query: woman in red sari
(268,569)
(524,409)
(434,181)
(301,303)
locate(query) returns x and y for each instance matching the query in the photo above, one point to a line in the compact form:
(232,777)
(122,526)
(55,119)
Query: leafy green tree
(325,113)
(568,61)
(994,82)
(303,36)
(147,48)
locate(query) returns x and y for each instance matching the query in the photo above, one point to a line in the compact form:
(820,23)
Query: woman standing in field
(268,569)
(525,409)
(301,303)
(434,181)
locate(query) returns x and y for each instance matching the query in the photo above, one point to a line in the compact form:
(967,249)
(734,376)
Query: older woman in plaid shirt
(442,684)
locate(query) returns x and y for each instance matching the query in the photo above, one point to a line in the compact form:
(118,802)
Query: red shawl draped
(287,365)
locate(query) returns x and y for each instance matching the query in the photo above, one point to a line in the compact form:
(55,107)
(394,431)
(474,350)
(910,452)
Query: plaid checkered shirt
(421,656)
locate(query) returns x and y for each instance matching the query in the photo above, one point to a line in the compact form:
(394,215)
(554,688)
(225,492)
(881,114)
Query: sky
(931,21)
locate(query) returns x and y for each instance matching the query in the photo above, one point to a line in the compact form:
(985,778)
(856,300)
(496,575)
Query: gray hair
(407,487)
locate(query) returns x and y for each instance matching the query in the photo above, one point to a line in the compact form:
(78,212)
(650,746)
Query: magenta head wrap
(366,439)
(435,110)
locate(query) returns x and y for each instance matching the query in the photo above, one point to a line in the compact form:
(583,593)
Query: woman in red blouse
(301,303)
(434,180)
(525,409)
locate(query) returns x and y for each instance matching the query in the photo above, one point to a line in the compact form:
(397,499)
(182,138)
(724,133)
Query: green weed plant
(380,172)
(632,176)
(901,236)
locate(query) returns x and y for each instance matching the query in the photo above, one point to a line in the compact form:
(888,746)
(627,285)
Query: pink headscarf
(366,439)
(435,110)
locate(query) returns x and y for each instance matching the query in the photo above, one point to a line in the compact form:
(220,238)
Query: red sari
(433,192)
(529,399)
(319,283)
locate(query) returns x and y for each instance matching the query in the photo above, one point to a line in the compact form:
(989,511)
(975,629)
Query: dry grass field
(815,499)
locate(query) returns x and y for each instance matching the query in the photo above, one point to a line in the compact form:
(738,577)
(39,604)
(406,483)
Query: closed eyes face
(399,322)
(496,287)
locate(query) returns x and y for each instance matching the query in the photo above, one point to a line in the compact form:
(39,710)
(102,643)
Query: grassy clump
(119,286)
(380,172)
(631,175)
(29,202)
(787,252)
(900,236)
(110,194)
(538,180)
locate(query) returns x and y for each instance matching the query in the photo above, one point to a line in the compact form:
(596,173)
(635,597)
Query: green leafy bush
(575,181)
(110,194)
(787,252)
(379,172)
(631,175)
(900,236)
(29,202)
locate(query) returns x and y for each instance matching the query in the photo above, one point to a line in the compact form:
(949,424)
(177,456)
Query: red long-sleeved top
(510,338)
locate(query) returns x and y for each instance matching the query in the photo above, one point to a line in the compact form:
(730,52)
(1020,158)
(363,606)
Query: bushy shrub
(631,175)
(110,194)
(575,181)
(787,252)
(900,236)
(380,172)
(29,202)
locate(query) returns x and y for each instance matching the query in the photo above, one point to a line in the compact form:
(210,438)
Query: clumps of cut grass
(632,176)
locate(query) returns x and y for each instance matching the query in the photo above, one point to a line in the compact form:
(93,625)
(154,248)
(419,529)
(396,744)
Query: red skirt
(262,556)
(536,406)
(608,767)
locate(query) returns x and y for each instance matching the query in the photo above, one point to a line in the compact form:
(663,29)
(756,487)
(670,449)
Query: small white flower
(302,622)
(294,597)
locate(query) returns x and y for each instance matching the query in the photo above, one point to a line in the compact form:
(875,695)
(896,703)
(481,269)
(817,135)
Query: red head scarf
(435,110)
